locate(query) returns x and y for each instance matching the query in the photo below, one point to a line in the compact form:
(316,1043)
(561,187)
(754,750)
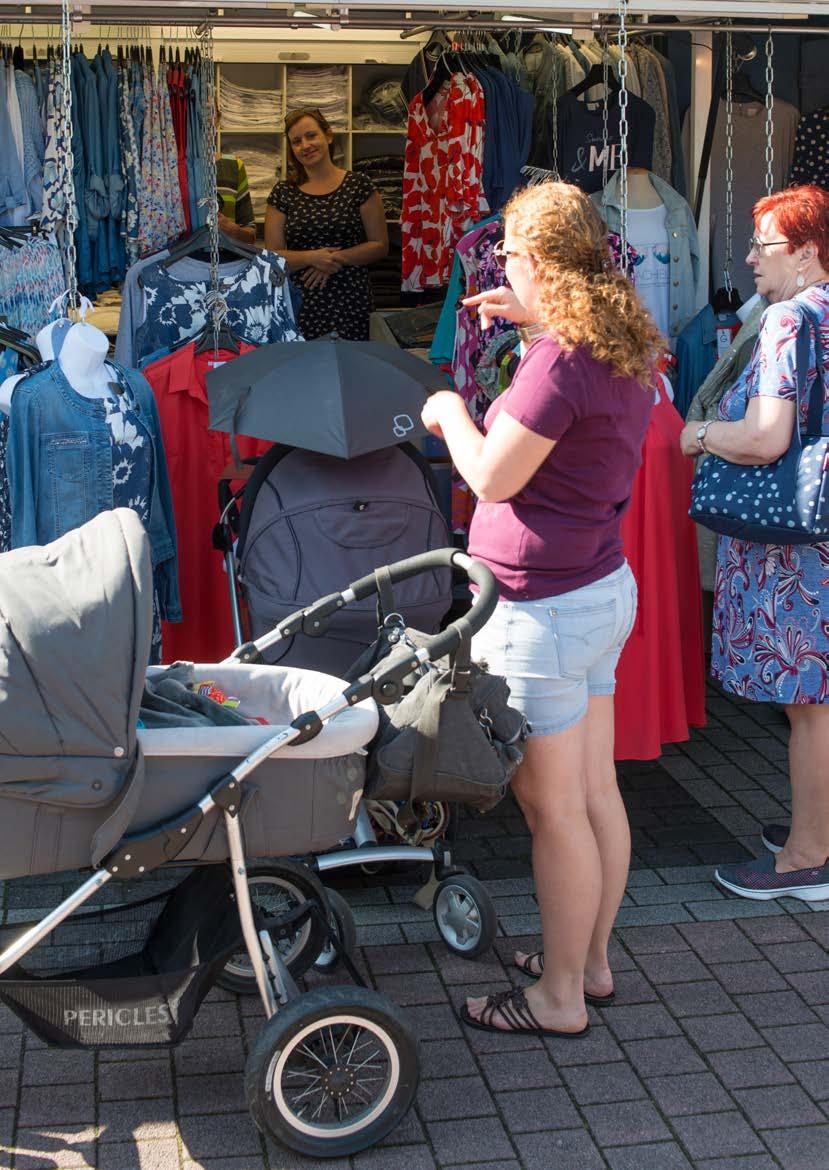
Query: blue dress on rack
(132,476)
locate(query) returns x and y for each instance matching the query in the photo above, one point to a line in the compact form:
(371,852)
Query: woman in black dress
(328,224)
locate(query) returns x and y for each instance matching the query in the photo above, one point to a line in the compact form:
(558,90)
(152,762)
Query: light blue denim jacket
(682,236)
(59,462)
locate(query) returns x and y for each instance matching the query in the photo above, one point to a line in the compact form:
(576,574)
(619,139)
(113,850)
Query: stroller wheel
(332,1072)
(276,888)
(342,922)
(464,915)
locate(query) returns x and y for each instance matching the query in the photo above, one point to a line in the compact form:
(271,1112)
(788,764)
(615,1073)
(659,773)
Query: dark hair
(297,174)
(802,215)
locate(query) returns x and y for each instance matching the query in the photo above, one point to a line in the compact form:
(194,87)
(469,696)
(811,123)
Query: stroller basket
(129,974)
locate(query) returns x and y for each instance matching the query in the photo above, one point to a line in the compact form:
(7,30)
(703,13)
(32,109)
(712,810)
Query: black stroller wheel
(276,888)
(465,916)
(333,1072)
(342,923)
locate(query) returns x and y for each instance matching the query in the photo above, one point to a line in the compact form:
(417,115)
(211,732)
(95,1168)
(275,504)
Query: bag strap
(385,594)
(425,755)
(810,326)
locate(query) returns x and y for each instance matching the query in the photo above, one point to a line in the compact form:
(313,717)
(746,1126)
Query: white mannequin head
(81,351)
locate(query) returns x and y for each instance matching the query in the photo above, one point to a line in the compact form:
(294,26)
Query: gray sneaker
(774,837)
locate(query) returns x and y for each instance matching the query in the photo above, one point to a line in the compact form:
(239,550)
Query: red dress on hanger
(196,459)
(660,680)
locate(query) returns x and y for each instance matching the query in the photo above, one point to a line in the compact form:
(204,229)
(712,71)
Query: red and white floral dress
(443,193)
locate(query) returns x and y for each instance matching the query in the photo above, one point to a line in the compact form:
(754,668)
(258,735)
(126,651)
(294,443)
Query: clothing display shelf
(364,136)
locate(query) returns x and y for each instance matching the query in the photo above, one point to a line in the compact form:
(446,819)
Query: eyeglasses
(500,254)
(759,246)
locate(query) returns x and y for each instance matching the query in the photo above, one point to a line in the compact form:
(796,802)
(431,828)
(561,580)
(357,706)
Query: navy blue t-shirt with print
(581,150)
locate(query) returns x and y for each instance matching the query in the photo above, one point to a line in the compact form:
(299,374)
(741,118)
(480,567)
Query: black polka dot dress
(344,303)
(811,151)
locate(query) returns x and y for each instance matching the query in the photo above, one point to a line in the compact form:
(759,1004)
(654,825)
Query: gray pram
(333,1070)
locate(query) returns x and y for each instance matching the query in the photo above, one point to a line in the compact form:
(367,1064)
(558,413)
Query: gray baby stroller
(333,1070)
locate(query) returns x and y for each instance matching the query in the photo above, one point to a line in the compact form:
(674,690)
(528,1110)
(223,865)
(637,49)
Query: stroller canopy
(75,629)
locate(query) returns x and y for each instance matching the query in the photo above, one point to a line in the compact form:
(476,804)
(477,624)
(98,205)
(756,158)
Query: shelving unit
(267,149)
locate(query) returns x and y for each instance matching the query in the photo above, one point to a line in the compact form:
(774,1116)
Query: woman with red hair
(771,601)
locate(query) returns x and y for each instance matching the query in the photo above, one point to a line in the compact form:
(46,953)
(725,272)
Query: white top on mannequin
(82,351)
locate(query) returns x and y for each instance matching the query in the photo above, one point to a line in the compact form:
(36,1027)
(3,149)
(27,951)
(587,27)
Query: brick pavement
(715,1054)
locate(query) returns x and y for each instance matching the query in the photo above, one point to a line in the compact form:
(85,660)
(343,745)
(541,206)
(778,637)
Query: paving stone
(53,1066)
(817,925)
(434,1022)
(57,1105)
(659,1156)
(719,942)
(689,892)
(511,1165)
(775,1008)
(250,1162)
(398,959)
(719,1033)
(794,957)
(598,1086)
(210,1094)
(446,1058)
(803,1148)
(454,1097)
(730,908)
(766,1108)
(220,1055)
(660,1057)
(405,1158)
(625,1123)
(814,1076)
(215,1019)
(528,1110)
(678,967)
(717,1135)
(281,1158)
(779,928)
(530,1070)
(647,941)
(748,1162)
(755,976)
(155,1155)
(456,970)
(121,1121)
(812,986)
(651,915)
(597,1047)
(406,991)
(646,877)
(9,1085)
(632,987)
(130,1080)
(469,1141)
(704,998)
(69,1147)
(640,1021)
(707,792)
(689,1093)
(232,1133)
(567,1149)
(751,1068)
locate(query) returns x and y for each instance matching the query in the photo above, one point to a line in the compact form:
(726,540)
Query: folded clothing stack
(321,87)
(246,109)
(263,168)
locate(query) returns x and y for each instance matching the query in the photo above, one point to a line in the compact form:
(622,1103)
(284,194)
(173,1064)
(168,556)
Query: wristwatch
(701,432)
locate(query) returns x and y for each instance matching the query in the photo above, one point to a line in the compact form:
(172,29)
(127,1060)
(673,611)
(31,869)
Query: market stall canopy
(337,397)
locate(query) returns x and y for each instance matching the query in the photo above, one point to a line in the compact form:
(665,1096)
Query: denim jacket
(682,236)
(59,460)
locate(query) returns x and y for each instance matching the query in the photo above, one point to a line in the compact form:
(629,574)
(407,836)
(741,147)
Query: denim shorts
(557,651)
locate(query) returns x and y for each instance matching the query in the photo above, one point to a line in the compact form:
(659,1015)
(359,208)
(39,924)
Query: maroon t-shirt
(562,530)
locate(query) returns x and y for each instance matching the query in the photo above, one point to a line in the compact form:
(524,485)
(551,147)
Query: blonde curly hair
(583,300)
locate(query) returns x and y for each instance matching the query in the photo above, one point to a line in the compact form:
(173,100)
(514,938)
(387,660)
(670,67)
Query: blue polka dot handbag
(785,502)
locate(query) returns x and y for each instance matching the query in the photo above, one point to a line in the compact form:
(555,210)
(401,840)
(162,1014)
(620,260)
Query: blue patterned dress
(771,601)
(132,476)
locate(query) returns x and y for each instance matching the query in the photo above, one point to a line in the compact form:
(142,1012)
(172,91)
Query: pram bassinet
(75,774)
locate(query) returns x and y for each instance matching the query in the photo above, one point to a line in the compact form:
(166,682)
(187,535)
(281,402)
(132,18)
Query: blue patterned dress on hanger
(132,476)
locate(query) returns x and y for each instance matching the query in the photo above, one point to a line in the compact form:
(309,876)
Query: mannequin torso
(648,234)
(82,359)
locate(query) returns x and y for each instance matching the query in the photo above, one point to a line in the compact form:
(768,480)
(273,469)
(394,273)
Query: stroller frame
(463,911)
(140,853)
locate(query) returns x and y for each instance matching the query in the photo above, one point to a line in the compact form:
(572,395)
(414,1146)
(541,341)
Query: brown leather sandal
(516,1012)
(538,956)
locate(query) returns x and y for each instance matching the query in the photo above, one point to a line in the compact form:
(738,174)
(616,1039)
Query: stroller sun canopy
(75,629)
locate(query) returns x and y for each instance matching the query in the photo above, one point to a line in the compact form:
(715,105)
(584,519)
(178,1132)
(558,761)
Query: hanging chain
(729,161)
(558,68)
(67,156)
(214,300)
(605,133)
(622,42)
(769,114)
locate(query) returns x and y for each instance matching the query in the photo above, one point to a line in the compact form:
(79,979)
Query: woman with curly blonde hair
(553,474)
